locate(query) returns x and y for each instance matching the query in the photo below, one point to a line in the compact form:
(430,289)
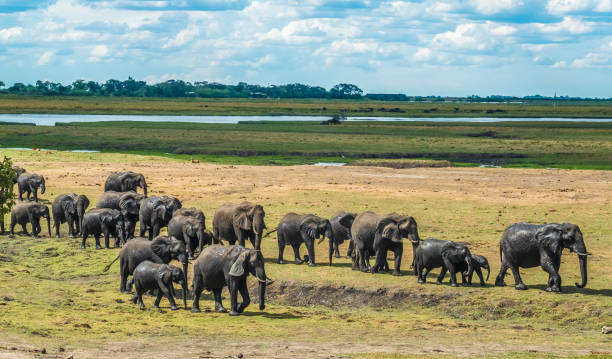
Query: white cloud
(422,54)
(45,58)
(473,36)
(489,7)
(572,6)
(98,52)
(183,37)
(572,25)
(10,33)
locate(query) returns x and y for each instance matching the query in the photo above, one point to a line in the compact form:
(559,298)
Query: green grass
(572,145)
(192,106)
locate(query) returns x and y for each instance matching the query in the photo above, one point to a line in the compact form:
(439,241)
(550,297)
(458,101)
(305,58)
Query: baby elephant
(478,262)
(150,276)
(434,253)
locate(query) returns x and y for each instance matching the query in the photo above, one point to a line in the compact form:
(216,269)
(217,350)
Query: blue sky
(427,47)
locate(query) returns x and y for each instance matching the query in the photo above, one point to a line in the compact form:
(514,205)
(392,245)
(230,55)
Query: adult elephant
(29,183)
(125,181)
(295,229)
(161,250)
(219,266)
(126,202)
(103,221)
(82,203)
(155,213)
(238,222)
(376,234)
(434,253)
(342,232)
(191,231)
(526,245)
(24,213)
(64,210)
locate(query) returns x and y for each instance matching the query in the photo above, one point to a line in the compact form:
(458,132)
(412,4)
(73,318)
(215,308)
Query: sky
(427,47)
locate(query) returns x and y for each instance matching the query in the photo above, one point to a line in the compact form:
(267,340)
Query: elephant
(191,231)
(434,253)
(82,202)
(295,229)
(526,245)
(376,234)
(342,233)
(18,171)
(161,250)
(22,213)
(105,221)
(219,266)
(125,181)
(30,182)
(64,210)
(155,213)
(478,262)
(129,205)
(150,276)
(191,212)
(237,222)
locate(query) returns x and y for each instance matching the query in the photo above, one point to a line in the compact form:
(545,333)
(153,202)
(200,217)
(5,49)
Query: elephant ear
(164,273)
(309,227)
(384,229)
(242,220)
(161,247)
(237,269)
(347,220)
(189,229)
(106,218)
(551,238)
(406,223)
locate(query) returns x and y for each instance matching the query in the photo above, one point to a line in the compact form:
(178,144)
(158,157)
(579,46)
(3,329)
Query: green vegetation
(6,189)
(317,107)
(572,145)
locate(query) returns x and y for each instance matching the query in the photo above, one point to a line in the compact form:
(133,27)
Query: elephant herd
(216,265)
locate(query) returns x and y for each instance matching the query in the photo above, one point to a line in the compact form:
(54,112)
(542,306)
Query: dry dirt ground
(454,193)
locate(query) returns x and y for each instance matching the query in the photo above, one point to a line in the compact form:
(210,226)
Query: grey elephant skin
(18,171)
(435,253)
(24,213)
(126,202)
(155,213)
(29,183)
(526,245)
(375,234)
(103,221)
(191,231)
(295,229)
(478,262)
(238,222)
(161,250)
(69,208)
(342,232)
(151,276)
(125,181)
(219,266)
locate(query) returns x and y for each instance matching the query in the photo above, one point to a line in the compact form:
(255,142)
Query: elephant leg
(35,230)
(233,290)
(139,291)
(419,271)
(36,195)
(296,254)
(398,260)
(367,259)
(452,272)
(441,275)
(158,299)
(336,249)
(197,291)
(97,237)
(143,227)
(518,282)
(170,296)
(71,230)
(351,248)
(479,273)
(355,260)
(499,280)
(218,305)
(362,262)
(554,280)
(85,235)
(281,249)
(311,253)
(122,285)
(24,226)
(56,224)
(244,293)
(380,252)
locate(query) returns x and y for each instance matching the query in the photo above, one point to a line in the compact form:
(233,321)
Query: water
(333,164)
(51,120)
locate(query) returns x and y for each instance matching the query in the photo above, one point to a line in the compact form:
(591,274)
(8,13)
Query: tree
(346,91)
(6,189)
(2,84)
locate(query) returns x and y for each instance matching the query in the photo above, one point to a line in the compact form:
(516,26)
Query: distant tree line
(205,89)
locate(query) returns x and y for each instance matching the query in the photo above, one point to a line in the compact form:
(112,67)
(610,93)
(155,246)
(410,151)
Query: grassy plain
(523,144)
(194,106)
(55,295)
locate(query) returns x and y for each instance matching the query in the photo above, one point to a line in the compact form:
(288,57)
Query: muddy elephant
(191,231)
(238,222)
(103,221)
(161,250)
(435,253)
(149,276)
(155,213)
(125,181)
(219,266)
(29,183)
(24,213)
(295,229)
(478,262)
(526,245)
(126,202)
(342,232)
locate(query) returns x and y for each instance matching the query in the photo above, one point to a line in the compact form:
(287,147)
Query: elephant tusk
(414,241)
(321,240)
(261,280)
(584,254)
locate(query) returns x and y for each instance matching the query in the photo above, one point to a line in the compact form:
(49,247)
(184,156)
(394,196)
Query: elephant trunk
(185,285)
(580,249)
(42,187)
(258,227)
(48,218)
(488,271)
(260,274)
(143,184)
(330,235)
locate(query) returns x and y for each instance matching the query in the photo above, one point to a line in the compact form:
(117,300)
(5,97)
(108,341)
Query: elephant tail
(500,254)
(110,264)
(270,232)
